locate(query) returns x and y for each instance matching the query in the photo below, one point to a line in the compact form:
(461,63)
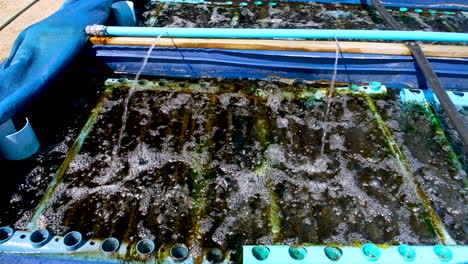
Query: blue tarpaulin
(43,50)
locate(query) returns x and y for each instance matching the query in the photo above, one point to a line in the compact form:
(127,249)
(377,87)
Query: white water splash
(332,88)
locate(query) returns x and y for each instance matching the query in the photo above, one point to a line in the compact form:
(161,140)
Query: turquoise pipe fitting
(39,238)
(443,253)
(368,253)
(272,4)
(371,252)
(17,145)
(403,9)
(179,252)
(333,253)
(297,253)
(145,247)
(110,245)
(261,252)
(215,255)
(375,86)
(72,240)
(407,253)
(420,96)
(99,30)
(243,4)
(123,14)
(5,234)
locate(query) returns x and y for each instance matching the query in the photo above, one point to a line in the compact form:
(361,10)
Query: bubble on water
(337,142)
(175,103)
(274,100)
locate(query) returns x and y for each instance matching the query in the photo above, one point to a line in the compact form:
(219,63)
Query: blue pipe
(283,33)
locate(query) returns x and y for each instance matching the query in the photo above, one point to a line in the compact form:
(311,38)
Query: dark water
(222,163)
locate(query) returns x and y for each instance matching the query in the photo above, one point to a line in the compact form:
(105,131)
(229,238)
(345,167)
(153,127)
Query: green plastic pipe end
(297,253)
(333,253)
(375,86)
(260,252)
(443,253)
(371,252)
(407,253)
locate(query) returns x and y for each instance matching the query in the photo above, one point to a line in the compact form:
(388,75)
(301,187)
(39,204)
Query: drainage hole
(22,236)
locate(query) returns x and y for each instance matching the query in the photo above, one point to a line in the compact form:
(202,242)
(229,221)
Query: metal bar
(431,78)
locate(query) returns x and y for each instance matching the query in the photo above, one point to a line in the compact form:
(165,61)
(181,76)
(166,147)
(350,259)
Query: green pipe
(17,14)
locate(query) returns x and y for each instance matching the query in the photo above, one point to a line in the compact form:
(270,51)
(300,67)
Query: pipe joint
(96,30)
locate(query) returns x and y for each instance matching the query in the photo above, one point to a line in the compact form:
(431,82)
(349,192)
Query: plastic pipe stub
(145,247)
(333,253)
(375,86)
(297,253)
(407,253)
(371,252)
(72,240)
(39,238)
(260,252)
(123,13)
(5,234)
(17,145)
(215,255)
(110,245)
(179,252)
(444,253)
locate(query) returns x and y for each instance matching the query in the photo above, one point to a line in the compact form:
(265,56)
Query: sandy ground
(37,12)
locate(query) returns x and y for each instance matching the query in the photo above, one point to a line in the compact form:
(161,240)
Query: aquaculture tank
(250,132)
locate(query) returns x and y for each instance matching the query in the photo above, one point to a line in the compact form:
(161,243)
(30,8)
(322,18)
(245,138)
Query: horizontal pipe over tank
(286,45)
(99,30)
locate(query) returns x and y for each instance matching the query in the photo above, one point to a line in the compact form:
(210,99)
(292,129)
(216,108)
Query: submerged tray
(217,163)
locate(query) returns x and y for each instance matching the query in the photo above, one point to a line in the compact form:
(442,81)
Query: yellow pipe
(287,45)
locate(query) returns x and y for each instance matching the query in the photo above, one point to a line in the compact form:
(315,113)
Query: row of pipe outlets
(370,251)
(73,241)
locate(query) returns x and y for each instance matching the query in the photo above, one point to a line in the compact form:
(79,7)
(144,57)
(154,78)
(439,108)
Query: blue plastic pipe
(283,33)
